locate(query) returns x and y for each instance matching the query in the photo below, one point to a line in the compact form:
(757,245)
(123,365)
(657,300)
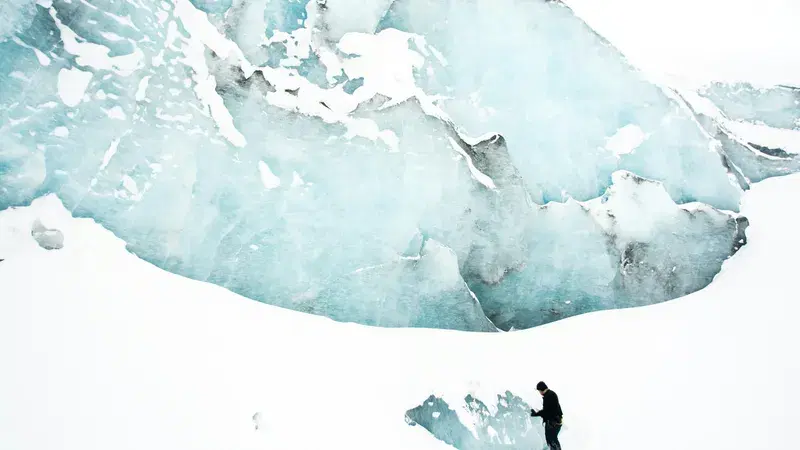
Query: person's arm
(545,408)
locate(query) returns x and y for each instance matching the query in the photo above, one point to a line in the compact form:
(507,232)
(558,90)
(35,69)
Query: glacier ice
(48,239)
(759,141)
(568,92)
(15,17)
(504,166)
(632,246)
(212,6)
(777,106)
(506,425)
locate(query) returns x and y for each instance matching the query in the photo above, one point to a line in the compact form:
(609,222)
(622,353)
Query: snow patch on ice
(479,176)
(626,140)
(94,55)
(777,138)
(109,153)
(141,91)
(72,85)
(268,179)
(116,113)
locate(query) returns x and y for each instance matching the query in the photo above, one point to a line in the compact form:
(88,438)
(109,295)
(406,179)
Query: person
(551,415)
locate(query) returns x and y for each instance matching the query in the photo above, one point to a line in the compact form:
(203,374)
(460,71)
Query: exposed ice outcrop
(508,425)
(559,94)
(777,106)
(633,246)
(378,163)
(48,239)
(15,16)
(753,150)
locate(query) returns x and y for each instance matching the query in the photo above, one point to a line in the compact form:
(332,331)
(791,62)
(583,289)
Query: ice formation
(466,164)
(48,239)
(507,425)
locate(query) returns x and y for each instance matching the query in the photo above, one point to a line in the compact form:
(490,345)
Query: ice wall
(460,164)
(561,96)
(777,106)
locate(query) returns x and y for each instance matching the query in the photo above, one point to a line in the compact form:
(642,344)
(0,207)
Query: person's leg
(556,445)
(551,435)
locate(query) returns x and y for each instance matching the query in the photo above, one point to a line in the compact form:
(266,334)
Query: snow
(205,83)
(130,185)
(479,176)
(95,55)
(141,91)
(72,84)
(350,15)
(268,179)
(392,77)
(626,140)
(43,59)
(108,351)
(787,140)
(695,42)
(116,113)
(110,152)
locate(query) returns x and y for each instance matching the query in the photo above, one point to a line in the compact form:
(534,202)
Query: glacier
(107,351)
(466,164)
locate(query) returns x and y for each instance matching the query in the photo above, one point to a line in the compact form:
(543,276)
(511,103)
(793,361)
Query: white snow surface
(626,140)
(72,84)
(268,179)
(103,350)
(694,42)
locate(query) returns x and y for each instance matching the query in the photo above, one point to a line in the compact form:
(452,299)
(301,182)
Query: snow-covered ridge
(108,351)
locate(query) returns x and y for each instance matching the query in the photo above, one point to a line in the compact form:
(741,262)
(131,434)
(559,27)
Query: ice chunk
(48,239)
(509,426)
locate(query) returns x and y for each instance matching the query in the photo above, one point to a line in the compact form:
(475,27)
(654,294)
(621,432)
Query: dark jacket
(551,408)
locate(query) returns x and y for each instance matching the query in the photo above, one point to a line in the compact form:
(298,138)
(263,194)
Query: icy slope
(102,350)
(409,163)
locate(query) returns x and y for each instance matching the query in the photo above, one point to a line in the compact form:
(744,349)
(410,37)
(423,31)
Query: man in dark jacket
(551,415)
